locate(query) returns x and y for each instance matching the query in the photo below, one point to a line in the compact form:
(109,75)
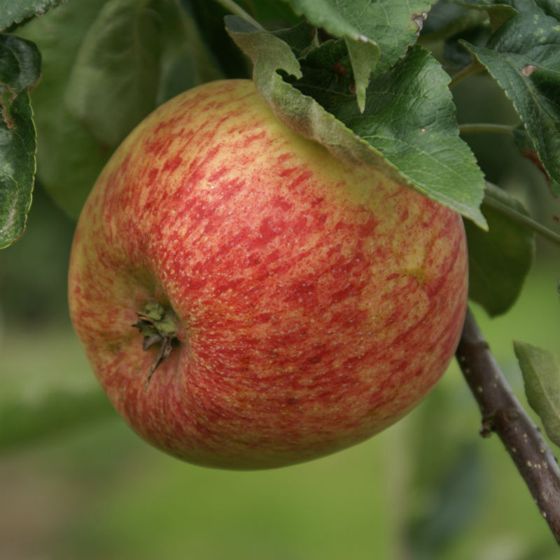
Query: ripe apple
(249,301)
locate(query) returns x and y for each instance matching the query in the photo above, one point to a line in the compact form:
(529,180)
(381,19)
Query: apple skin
(316,301)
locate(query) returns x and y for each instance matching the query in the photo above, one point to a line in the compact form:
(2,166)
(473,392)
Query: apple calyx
(158,325)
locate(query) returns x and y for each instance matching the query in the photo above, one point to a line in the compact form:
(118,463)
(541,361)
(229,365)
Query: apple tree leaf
(119,59)
(500,258)
(452,22)
(408,128)
(541,375)
(523,56)
(15,12)
(447,18)
(302,38)
(185,59)
(527,149)
(377,34)
(135,56)
(209,19)
(69,158)
(499,11)
(20,66)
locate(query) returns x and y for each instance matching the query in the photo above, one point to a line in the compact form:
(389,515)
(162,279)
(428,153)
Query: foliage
(542,383)
(500,258)
(13,13)
(19,69)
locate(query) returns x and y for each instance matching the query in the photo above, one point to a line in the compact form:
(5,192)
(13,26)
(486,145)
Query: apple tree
(380,82)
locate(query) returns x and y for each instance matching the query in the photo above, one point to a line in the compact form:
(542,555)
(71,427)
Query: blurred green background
(427,488)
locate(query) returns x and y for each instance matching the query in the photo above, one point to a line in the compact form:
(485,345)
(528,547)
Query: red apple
(246,299)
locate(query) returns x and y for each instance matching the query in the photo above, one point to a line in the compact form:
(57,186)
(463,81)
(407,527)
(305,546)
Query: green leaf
(550,7)
(410,119)
(185,60)
(447,18)
(69,157)
(302,38)
(527,149)
(499,259)
(20,64)
(455,54)
(84,104)
(32,414)
(541,375)
(408,129)
(500,11)
(114,80)
(523,56)
(135,56)
(209,19)
(14,12)
(377,34)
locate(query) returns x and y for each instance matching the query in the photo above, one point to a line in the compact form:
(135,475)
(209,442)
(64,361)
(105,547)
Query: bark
(503,414)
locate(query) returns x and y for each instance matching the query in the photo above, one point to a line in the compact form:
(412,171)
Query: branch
(503,414)
(482,128)
(472,69)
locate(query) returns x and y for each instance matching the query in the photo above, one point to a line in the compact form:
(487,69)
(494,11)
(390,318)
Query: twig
(522,219)
(486,128)
(472,69)
(503,414)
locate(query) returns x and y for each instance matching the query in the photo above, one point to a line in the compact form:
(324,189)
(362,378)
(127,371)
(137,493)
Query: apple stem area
(158,325)
(503,414)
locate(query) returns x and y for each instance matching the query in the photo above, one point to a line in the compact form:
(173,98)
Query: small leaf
(20,64)
(446,19)
(377,33)
(408,130)
(410,119)
(69,158)
(114,81)
(209,19)
(499,259)
(302,38)
(527,149)
(541,375)
(14,12)
(523,56)
(185,60)
(454,52)
(500,11)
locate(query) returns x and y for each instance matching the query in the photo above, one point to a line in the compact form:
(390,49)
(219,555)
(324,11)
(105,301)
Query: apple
(246,299)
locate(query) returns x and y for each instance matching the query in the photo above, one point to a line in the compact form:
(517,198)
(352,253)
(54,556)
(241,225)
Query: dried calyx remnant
(158,325)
